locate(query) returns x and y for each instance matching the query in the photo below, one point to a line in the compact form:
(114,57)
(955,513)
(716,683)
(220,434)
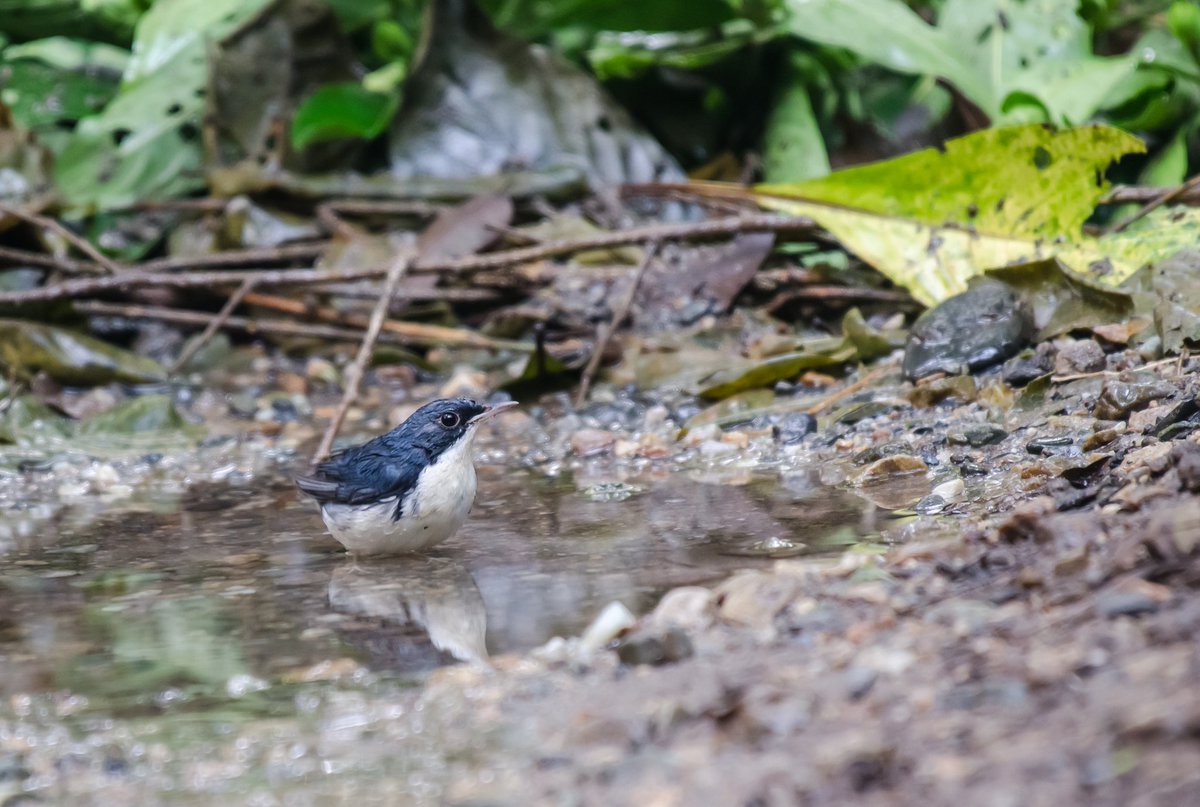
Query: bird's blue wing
(364,475)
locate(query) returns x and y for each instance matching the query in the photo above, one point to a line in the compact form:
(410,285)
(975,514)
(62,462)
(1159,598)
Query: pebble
(613,620)
(590,442)
(667,647)
(1125,603)
(1079,356)
(794,427)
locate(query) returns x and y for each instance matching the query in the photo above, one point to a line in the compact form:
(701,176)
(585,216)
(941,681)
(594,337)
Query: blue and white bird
(406,490)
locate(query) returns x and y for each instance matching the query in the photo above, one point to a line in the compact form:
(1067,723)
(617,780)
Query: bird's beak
(490,412)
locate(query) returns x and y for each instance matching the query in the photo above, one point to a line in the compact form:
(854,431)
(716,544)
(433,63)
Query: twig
(850,389)
(384,207)
(846,293)
(712,228)
(215,325)
(354,373)
(80,243)
(451,295)
(408,332)
(27,258)
(1059,379)
(234,257)
(472,263)
(280,327)
(1137,194)
(618,316)
(1162,199)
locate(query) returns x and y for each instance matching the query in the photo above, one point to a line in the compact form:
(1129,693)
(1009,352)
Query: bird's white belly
(433,511)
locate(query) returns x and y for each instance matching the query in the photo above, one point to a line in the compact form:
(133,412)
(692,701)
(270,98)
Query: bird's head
(440,424)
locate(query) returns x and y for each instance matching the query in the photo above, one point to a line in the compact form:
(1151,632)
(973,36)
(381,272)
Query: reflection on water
(219,593)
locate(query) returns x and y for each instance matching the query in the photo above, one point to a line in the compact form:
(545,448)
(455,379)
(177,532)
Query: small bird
(406,490)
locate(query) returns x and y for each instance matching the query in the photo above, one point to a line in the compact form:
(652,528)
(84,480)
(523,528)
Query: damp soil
(931,601)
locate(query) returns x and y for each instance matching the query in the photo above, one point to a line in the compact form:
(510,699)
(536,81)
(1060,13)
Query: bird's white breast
(433,510)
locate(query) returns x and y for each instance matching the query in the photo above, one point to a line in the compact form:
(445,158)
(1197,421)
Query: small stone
(793,428)
(466,382)
(930,505)
(321,370)
(590,442)
(612,621)
(949,491)
(1079,356)
(889,467)
(859,681)
(1119,398)
(984,434)
(687,607)
(1026,367)
(654,649)
(1125,603)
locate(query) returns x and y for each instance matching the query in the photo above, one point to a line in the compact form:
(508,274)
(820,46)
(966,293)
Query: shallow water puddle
(194,601)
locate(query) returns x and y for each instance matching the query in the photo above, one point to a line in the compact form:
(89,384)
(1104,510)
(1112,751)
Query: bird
(407,490)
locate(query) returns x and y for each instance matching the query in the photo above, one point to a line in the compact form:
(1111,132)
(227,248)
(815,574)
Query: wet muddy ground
(975,599)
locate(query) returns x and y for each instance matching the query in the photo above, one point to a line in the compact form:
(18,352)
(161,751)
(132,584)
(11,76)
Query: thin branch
(408,332)
(27,258)
(850,389)
(384,207)
(618,316)
(1138,194)
(846,293)
(472,263)
(80,243)
(366,349)
(215,325)
(234,257)
(1164,198)
(279,327)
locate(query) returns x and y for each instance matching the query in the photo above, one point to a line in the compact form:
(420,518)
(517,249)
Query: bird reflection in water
(436,596)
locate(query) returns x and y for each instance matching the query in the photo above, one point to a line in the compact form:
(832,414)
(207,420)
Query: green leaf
(1018,180)
(145,145)
(793,148)
(342,110)
(29,423)
(1168,167)
(1183,18)
(147,413)
(826,352)
(931,220)
(988,49)
(70,358)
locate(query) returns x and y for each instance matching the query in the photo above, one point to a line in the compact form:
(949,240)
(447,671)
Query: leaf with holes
(145,145)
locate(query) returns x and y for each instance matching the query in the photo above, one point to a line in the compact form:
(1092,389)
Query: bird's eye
(449,420)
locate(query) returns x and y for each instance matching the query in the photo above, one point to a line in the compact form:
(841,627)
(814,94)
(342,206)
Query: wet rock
(794,427)
(1119,398)
(1125,603)
(608,624)
(754,599)
(950,491)
(889,467)
(1079,356)
(983,434)
(655,648)
(1051,444)
(930,505)
(859,681)
(1180,419)
(980,327)
(590,442)
(1028,366)
(687,607)
(959,387)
